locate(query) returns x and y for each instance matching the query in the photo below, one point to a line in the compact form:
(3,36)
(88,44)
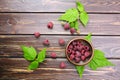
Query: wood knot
(12,21)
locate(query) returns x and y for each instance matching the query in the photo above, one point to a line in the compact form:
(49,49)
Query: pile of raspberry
(78,51)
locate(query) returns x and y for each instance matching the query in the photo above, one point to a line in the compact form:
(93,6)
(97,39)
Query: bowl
(79,51)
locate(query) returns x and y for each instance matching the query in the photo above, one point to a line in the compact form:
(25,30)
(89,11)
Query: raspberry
(75,48)
(53,55)
(70,47)
(82,58)
(72,30)
(78,42)
(78,54)
(66,26)
(86,48)
(77,60)
(50,25)
(87,54)
(61,42)
(73,43)
(72,56)
(46,42)
(37,34)
(62,65)
(80,48)
(69,51)
(73,52)
(83,52)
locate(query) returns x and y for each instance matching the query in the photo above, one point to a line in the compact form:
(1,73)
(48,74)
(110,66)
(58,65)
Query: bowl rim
(78,38)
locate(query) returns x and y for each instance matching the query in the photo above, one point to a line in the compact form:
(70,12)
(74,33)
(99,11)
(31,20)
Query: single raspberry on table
(61,42)
(53,55)
(66,26)
(62,65)
(37,34)
(50,25)
(46,42)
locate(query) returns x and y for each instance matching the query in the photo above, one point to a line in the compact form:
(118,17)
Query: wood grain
(19,19)
(16,68)
(101,6)
(24,23)
(10,44)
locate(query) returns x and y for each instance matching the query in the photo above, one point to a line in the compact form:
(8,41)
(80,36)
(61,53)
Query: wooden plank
(112,6)
(24,23)
(10,44)
(15,68)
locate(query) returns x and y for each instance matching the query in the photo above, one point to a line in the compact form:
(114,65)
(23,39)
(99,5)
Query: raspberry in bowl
(79,51)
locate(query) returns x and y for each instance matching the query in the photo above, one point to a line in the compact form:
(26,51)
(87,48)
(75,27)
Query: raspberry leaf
(70,15)
(84,18)
(80,7)
(99,60)
(74,25)
(89,37)
(29,52)
(41,55)
(33,65)
(80,70)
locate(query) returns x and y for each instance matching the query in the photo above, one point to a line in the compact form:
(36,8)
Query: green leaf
(76,25)
(72,24)
(33,65)
(84,18)
(70,15)
(89,37)
(80,7)
(80,70)
(99,60)
(29,53)
(41,55)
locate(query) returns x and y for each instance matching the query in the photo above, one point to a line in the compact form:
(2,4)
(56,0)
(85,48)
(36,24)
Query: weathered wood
(10,44)
(112,6)
(24,23)
(16,68)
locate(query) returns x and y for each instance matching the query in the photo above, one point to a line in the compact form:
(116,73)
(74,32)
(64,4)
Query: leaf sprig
(73,15)
(98,60)
(31,55)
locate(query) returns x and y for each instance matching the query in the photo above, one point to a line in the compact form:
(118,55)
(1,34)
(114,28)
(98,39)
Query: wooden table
(19,19)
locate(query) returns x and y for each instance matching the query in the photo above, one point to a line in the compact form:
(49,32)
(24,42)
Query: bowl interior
(84,42)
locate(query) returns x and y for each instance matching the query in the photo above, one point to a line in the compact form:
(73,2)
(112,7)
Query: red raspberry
(69,51)
(61,42)
(66,26)
(78,54)
(46,42)
(83,52)
(50,25)
(37,34)
(77,60)
(72,56)
(74,43)
(53,55)
(72,30)
(62,65)
(87,54)
(82,58)
(70,47)
(86,48)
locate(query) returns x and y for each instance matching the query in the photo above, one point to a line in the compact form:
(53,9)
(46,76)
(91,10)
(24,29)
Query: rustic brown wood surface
(16,68)
(101,6)
(19,19)
(28,23)
(10,44)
